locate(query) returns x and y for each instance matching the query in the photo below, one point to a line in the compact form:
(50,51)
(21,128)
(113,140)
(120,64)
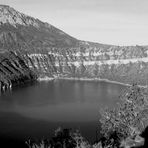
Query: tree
(130,116)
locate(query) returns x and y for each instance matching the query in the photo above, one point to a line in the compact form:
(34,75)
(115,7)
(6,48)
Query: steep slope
(14,71)
(94,64)
(19,30)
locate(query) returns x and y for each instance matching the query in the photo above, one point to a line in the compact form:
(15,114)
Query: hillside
(19,30)
(51,52)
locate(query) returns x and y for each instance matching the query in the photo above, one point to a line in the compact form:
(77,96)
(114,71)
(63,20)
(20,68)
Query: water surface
(37,110)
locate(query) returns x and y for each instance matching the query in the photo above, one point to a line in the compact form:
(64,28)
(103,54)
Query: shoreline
(46,78)
(95,79)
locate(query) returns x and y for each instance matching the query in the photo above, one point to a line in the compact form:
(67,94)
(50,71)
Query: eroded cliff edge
(127,65)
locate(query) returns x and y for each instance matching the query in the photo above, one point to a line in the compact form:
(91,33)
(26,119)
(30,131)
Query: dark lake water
(37,110)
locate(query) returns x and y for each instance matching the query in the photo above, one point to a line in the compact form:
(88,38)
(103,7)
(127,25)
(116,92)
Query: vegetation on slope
(129,119)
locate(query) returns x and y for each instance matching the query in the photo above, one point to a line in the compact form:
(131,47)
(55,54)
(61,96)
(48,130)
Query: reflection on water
(37,109)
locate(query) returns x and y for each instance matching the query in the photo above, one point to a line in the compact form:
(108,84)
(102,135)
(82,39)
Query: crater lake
(37,110)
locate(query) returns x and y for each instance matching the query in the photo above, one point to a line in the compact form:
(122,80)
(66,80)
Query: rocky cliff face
(13,71)
(112,64)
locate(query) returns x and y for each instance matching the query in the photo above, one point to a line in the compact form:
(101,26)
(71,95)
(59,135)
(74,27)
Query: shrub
(129,118)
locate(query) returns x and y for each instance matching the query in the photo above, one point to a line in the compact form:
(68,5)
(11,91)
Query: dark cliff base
(14,71)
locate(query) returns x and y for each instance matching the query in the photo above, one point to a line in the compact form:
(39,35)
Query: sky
(118,22)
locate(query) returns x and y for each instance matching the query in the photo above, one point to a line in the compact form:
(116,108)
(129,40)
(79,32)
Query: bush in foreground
(128,119)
